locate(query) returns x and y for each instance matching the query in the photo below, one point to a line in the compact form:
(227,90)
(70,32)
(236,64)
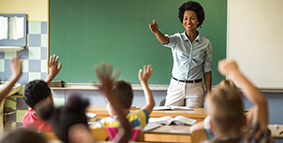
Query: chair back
(99,134)
(102,134)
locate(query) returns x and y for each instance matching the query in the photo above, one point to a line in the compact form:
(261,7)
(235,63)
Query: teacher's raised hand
(153,27)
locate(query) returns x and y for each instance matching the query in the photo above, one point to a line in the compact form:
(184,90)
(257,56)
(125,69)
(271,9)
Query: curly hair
(35,91)
(194,6)
(63,117)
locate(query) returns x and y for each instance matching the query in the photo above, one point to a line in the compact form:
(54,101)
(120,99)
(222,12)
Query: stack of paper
(167,120)
(3,27)
(172,108)
(11,27)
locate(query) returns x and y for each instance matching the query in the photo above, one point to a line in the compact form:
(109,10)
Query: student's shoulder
(29,114)
(142,113)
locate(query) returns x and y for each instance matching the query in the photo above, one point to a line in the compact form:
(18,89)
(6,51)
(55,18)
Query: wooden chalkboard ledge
(153,87)
(89,86)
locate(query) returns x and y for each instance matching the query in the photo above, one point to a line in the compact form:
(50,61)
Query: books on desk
(174,108)
(91,117)
(151,126)
(167,120)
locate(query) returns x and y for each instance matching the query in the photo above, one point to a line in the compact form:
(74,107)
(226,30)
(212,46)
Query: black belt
(188,81)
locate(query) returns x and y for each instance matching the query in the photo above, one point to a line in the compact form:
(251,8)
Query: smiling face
(190,20)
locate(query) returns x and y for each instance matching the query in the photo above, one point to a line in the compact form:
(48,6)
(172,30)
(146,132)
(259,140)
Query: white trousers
(179,91)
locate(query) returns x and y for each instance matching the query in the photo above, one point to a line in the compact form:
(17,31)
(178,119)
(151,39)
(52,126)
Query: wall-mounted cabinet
(13,32)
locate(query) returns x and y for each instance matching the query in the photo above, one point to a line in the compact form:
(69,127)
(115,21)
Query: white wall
(255,40)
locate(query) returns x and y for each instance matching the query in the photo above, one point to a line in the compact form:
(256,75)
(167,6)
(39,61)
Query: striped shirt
(191,60)
(138,119)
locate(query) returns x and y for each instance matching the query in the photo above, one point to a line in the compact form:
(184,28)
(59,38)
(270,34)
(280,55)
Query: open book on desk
(91,117)
(172,108)
(168,120)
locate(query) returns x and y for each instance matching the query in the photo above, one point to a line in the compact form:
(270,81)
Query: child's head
(22,136)
(225,108)
(194,6)
(124,93)
(36,91)
(62,118)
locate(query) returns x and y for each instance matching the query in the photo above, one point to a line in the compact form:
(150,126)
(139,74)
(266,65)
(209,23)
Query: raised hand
(104,74)
(226,67)
(16,66)
(146,73)
(54,68)
(154,27)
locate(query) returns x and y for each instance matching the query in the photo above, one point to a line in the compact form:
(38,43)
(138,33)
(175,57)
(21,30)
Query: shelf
(11,48)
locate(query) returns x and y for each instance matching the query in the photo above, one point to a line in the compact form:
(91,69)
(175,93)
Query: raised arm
(103,73)
(54,69)
(160,36)
(143,77)
(230,68)
(16,68)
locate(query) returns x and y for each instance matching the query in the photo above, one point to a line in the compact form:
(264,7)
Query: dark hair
(23,136)
(194,6)
(35,91)
(124,93)
(62,118)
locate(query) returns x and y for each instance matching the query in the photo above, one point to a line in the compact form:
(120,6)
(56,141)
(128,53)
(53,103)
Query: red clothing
(31,121)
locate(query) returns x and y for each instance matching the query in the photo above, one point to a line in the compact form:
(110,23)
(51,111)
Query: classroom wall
(37,10)
(34,56)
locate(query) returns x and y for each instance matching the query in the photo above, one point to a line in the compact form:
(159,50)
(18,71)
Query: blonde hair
(225,107)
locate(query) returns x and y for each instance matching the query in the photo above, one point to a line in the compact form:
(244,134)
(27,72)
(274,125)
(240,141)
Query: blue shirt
(190,59)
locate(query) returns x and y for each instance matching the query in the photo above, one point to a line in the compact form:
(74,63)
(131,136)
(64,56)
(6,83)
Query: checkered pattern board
(34,67)
(34,56)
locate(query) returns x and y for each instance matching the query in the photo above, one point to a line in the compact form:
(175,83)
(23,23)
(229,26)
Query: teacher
(192,55)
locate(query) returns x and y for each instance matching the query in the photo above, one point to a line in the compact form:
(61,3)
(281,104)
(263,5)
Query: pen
(276,127)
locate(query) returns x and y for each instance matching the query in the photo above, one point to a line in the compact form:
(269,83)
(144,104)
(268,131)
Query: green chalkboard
(85,32)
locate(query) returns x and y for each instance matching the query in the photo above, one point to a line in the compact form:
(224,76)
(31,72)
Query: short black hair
(35,91)
(124,93)
(23,136)
(194,6)
(63,117)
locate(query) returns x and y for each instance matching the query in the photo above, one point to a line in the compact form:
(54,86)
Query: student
(210,132)
(103,73)
(70,123)
(63,117)
(36,91)
(192,56)
(123,91)
(22,136)
(16,68)
(226,110)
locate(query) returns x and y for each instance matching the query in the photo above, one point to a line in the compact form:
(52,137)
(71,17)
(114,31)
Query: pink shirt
(31,121)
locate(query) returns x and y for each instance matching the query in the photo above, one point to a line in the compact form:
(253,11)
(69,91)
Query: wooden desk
(171,133)
(198,113)
(275,132)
